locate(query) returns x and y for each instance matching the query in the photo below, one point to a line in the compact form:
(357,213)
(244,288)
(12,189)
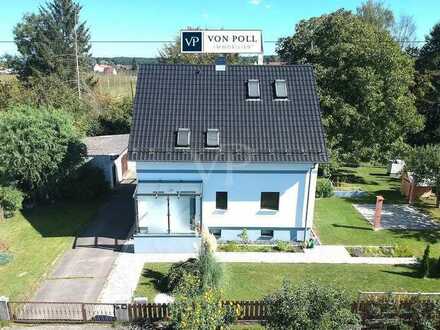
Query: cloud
(268,6)
(255,2)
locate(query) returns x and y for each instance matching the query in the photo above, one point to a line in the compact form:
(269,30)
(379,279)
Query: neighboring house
(412,189)
(109,153)
(104,69)
(225,148)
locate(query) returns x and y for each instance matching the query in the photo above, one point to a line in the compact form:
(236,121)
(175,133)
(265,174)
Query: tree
(39,148)
(363,81)
(428,87)
(134,65)
(375,13)
(46,42)
(424,162)
(171,53)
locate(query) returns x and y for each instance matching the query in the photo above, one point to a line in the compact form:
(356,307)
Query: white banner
(222,41)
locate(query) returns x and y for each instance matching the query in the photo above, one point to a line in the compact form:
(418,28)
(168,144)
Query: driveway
(397,216)
(80,274)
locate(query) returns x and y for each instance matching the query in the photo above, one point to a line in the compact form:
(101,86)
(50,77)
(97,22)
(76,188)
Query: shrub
(231,246)
(211,272)
(283,246)
(324,188)
(178,271)
(197,308)
(11,200)
(244,236)
(86,183)
(39,148)
(205,268)
(402,251)
(425,262)
(309,306)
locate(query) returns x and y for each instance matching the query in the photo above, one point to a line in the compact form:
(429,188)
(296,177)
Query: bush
(324,188)
(309,306)
(199,309)
(11,200)
(39,148)
(205,268)
(211,272)
(178,271)
(244,236)
(86,183)
(425,262)
(231,246)
(283,246)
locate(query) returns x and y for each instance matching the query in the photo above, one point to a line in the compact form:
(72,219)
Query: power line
(171,41)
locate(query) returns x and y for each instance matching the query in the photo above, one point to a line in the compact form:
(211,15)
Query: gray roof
(106,144)
(173,96)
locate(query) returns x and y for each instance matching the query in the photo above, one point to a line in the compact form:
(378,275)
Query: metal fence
(61,312)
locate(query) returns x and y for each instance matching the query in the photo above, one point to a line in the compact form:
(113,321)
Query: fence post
(83,312)
(121,312)
(4,309)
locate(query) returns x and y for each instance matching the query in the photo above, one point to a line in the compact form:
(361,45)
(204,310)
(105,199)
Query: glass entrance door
(182,214)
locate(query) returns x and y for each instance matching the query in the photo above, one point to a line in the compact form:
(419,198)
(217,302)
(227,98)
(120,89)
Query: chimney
(220,63)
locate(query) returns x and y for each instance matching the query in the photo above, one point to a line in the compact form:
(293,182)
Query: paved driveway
(80,274)
(397,216)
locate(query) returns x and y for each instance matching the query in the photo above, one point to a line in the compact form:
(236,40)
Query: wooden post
(378,212)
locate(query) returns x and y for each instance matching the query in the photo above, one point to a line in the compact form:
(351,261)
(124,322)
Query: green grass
(337,221)
(121,84)
(254,281)
(36,239)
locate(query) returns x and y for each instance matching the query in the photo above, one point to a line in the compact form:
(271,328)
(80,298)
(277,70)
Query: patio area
(398,216)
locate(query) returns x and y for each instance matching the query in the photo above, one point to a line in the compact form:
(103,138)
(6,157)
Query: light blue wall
(166,244)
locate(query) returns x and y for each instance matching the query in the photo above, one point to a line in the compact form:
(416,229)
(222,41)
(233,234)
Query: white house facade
(214,153)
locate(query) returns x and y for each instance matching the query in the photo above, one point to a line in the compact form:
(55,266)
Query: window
(216,232)
(221,200)
(212,138)
(183,137)
(280,89)
(253,89)
(267,234)
(270,200)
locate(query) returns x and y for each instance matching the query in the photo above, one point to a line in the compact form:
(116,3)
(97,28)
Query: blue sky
(161,20)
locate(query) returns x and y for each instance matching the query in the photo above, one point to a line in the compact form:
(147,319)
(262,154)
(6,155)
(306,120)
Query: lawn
(337,222)
(255,280)
(36,238)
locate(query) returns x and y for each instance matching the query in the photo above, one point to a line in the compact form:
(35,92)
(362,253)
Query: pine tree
(46,42)
(425,263)
(134,65)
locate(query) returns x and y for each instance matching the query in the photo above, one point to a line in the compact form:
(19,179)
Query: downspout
(307,203)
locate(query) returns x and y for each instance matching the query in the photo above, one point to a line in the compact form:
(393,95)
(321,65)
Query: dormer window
(253,89)
(280,89)
(212,138)
(183,137)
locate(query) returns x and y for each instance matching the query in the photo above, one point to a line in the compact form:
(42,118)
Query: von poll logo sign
(222,41)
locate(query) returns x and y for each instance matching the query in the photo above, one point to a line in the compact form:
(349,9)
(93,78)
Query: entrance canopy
(168,208)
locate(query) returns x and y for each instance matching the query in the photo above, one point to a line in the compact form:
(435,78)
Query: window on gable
(280,89)
(212,138)
(270,200)
(253,89)
(221,200)
(183,137)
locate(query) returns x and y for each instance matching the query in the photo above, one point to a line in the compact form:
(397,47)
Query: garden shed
(109,153)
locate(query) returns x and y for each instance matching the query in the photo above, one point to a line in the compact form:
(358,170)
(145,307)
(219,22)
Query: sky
(134,20)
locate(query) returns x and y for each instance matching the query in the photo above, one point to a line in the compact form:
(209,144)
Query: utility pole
(76,58)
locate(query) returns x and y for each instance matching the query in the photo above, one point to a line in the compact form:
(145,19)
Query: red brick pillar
(378,212)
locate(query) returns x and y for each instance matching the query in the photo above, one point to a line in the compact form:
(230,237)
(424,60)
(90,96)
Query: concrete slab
(398,216)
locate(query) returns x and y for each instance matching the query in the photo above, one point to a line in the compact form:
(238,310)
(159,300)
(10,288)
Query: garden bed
(379,251)
(242,247)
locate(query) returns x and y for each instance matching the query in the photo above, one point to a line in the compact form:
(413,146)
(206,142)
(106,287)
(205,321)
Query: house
(225,148)
(109,153)
(413,189)
(104,69)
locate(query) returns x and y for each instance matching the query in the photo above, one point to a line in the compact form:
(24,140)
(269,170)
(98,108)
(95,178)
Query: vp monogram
(192,41)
